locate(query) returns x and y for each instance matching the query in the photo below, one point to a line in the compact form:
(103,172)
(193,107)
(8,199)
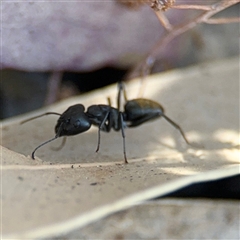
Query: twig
(222,20)
(178,30)
(196,7)
(53,87)
(163,20)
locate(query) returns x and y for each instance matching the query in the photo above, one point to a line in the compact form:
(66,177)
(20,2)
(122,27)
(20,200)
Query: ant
(136,112)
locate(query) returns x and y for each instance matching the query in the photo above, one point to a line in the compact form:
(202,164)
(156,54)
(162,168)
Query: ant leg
(98,144)
(109,101)
(121,88)
(177,127)
(99,129)
(123,136)
(61,146)
(47,113)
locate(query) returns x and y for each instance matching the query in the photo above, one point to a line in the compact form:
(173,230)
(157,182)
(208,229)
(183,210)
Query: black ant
(136,112)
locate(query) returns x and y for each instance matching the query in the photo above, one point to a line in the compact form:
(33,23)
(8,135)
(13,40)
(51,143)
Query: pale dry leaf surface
(167,219)
(63,190)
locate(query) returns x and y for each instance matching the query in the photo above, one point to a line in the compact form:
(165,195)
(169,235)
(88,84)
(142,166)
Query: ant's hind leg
(109,101)
(121,88)
(177,127)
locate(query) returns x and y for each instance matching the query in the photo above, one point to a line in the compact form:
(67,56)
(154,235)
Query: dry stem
(174,31)
(53,87)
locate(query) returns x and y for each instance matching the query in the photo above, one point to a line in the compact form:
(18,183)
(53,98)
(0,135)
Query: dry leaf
(62,191)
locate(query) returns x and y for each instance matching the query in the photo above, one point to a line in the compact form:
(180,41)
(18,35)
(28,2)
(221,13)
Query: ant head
(73,121)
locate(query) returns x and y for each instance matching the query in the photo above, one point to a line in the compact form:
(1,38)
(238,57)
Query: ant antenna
(33,157)
(56,136)
(177,127)
(44,114)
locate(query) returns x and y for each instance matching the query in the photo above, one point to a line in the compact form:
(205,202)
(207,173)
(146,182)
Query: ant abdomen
(138,111)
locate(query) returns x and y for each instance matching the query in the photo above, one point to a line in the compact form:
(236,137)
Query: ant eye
(77,124)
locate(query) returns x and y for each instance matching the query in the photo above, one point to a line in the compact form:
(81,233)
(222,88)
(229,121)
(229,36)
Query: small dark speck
(93,184)
(78,183)
(119,236)
(152,170)
(72,166)
(50,163)
(20,178)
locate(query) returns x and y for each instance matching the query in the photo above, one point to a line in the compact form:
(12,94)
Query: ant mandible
(136,112)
